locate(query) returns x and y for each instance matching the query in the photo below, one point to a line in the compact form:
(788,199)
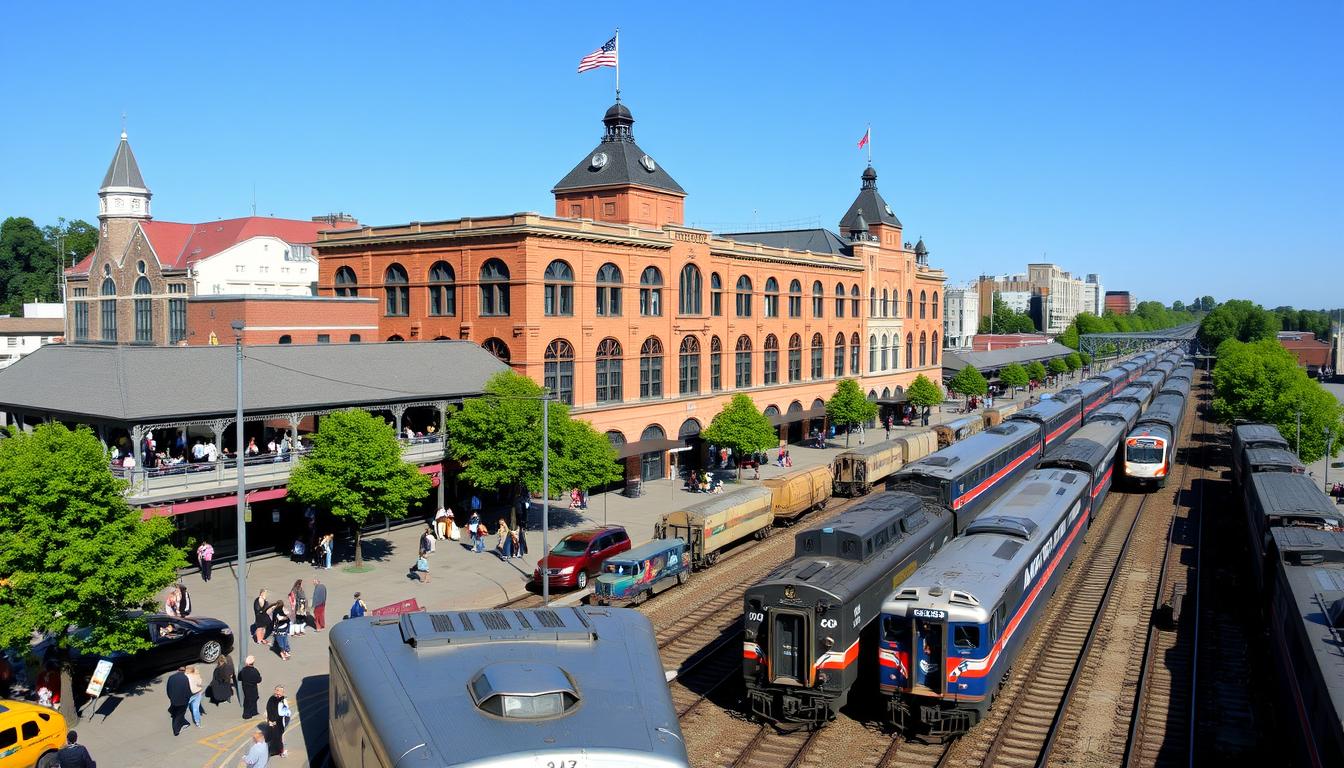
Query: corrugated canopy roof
(998,358)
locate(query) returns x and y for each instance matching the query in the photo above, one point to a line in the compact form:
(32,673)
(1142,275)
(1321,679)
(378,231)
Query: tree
(1058,366)
(848,406)
(1261,381)
(1207,304)
(356,472)
(1069,337)
(28,265)
(1178,306)
(73,553)
(968,381)
(1036,370)
(741,427)
(1073,361)
(923,392)
(1005,320)
(1085,358)
(497,437)
(1014,376)
(1237,319)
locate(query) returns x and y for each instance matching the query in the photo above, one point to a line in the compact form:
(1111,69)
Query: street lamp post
(239,454)
(545,501)
(1329,441)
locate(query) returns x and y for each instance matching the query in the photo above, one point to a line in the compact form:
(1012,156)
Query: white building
(1094,295)
(961,316)
(1017,301)
(41,324)
(1062,296)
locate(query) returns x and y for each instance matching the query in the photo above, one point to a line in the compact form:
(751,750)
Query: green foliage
(1014,375)
(1005,320)
(1058,366)
(742,427)
(72,551)
(848,406)
(1073,361)
(968,381)
(1317,321)
(29,263)
(1069,337)
(1178,306)
(1261,381)
(1036,370)
(1237,319)
(1085,358)
(923,392)
(356,472)
(497,437)
(1147,316)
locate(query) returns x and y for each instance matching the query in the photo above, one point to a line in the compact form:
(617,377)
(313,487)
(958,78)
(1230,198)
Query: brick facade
(282,319)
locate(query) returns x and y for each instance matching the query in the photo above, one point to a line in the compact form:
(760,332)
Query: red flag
(864,141)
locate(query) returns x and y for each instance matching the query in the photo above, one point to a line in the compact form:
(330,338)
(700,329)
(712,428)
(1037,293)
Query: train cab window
(966,636)
(867,547)
(848,547)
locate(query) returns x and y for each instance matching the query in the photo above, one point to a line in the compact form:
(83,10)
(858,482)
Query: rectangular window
(690,374)
(744,305)
(743,370)
(795,306)
(818,363)
(854,359)
(559,300)
(608,301)
(771,367)
(795,364)
(966,636)
(442,300)
(108,311)
(839,360)
(817,303)
(608,381)
(81,320)
(177,319)
(651,302)
(650,377)
(716,303)
(839,307)
(715,371)
(324,338)
(559,378)
(144,321)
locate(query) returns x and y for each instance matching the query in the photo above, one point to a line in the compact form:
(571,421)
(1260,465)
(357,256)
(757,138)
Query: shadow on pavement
(314,721)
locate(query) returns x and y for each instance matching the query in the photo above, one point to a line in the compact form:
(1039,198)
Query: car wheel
(49,760)
(582,581)
(210,651)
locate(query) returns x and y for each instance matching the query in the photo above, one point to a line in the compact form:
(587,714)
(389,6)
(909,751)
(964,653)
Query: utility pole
(244,634)
(1299,435)
(545,501)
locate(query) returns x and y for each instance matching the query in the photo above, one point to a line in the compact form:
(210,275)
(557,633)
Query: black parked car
(176,643)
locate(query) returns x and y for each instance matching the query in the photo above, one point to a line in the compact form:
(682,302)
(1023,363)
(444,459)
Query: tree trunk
(359,548)
(67,693)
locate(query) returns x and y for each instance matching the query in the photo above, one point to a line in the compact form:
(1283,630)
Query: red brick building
(1312,354)
(985,342)
(282,319)
(1119,302)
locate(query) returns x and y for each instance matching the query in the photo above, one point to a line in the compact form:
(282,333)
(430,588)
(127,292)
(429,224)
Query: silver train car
(1093,450)
(547,688)
(1118,411)
(1150,449)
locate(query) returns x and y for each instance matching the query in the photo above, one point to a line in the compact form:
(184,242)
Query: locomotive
(1150,448)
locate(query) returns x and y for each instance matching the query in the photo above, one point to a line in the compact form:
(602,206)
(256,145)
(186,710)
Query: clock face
(599,160)
(890,212)
(648,164)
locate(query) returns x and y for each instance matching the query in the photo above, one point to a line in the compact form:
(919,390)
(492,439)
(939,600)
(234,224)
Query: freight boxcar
(711,525)
(958,429)
(1283,500)
(998,414)
(796,493)
(1245,436)
(856,471)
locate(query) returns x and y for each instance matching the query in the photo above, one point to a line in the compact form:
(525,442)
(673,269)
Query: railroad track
(771,748)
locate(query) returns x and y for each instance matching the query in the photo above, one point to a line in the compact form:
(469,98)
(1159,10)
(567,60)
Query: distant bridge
(1137,341)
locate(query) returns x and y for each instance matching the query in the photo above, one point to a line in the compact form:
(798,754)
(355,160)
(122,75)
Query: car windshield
(622,569)
(570,545)
(1139,454)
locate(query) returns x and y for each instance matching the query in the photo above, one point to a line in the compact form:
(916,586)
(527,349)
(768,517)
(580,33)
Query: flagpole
(870,143)
(618,63)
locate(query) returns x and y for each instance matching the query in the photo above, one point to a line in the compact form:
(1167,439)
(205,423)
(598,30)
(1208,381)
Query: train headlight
(822,678)
(829,642)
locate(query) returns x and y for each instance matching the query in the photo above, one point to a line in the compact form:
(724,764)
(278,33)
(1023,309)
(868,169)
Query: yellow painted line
(235,744)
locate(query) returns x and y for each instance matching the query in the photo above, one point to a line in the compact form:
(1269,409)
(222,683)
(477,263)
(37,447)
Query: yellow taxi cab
(30,735)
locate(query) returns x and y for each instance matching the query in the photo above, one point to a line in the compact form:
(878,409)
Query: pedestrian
(197,692)
(73,754)
(427,541)
(280,625)
(298,607)
(502,544)
(183,601)
(454,533)
(179,698)
(473,525)
(358,608)
(327,544)
(261,623)
(205,555)
(277,717)
(520,546)
(319,605)
(441,524)
(258,753)
(250,677)
(222,679)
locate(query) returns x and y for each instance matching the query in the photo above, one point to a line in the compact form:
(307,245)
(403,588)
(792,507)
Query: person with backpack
(358,608)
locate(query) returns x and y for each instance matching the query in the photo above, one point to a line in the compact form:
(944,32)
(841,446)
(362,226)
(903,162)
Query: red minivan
(580,555)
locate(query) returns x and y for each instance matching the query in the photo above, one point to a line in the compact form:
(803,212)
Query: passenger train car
(1150,448)
(1306,609)
(952,630)
(1114,379)
(966,476)
(1055,419)
(856,471)
(809,626)
(539,688)
(1093,393)
(1151,380)
(1119,411)
(1093,450)
(1139,395)
(1245,436)
(1175,385)
(1283,500)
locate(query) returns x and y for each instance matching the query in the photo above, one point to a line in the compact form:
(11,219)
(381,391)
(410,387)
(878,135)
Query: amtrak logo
(962,667)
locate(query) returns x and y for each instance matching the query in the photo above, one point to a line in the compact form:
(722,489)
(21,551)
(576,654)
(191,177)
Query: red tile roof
(1308,351)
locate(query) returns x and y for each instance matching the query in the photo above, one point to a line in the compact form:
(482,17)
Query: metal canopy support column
(294,419)
(137,436)
(443,462)
(399,413)
(217,427)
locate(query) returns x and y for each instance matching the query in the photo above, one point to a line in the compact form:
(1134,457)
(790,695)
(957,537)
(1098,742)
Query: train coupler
(945,724)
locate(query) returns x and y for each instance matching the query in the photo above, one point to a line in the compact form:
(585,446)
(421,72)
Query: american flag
(602,57)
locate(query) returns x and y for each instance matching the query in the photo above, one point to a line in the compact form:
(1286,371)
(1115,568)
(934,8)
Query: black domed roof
(919,247)
(618,111)
(869,174)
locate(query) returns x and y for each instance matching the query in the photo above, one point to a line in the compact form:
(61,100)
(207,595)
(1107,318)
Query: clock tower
(123,199)
(618,182)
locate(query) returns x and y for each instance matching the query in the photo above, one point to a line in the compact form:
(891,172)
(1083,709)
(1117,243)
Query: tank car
(1306,607)
(810,625)
(1093,393)
(1284,500)
(856,471)
(966,476)
(1246,436)
(533,688)
(1093,450)
(1150,448)
(1056,419)
(950,633)
(710,526)
(794,494)
(957,430)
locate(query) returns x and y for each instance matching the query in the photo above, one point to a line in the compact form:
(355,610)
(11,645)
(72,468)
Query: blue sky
(1175,148)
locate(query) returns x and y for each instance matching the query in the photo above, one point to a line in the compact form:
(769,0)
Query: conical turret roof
(870,201)
(124,172)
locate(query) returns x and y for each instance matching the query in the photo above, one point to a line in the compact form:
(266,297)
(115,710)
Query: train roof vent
(441,622)
(494,620)
(549,619)
(1003,429)
(1007,549)
(909,593)
(816,567)
(941,461)
(524,691)
(914,521)
(1004,525)
(962,598)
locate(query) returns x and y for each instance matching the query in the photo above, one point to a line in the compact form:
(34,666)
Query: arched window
(397,290)
(286,339)
(935,314)
(818,299)
(442,291)
(795,358)
(651,464)
(771,360)
(355,338)
(715,364)
(909,350)
(494,346)
(923,345)
(884,352)
(771,297)
(743,362)
(558,289)
(651,292)
(744,296)
(144,312)
(609,291)
(872,302)
(818,357)
(886,307)
(691,291)
(854,300)
(108,308)
(715,294)
(839,299)
(895,351)
(494,289)
(558,375)
(396,337)
(923,304)
(854,355)
(933,349)
(346,283)
(609,371)
(909,303)
(688,366)
(651,368)
(872,354)
(839,355)
(795,299)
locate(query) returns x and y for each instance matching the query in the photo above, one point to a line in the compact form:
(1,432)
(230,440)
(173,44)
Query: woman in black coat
(221,684)
(277,718)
